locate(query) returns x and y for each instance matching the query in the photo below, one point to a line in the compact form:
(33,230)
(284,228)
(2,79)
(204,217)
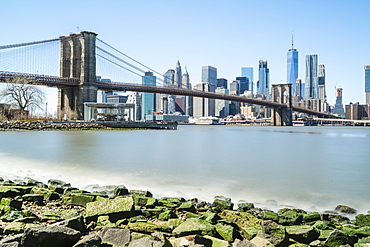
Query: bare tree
(23,95)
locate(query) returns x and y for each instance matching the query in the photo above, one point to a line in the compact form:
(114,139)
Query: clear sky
(225,34)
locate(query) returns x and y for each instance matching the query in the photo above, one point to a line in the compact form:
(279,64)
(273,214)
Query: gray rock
(243,243)
(46,236)
(15,238)
(91,240)
(336,238)
(345,209)
(115,236)
(57,182)
(303,233)
(76,223)
(147,242)
(273,232)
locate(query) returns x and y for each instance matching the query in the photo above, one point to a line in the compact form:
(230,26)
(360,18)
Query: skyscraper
(248,72)
(203,107)
(311,84)
(338,107)
(367,84)
(209,75)
(235,88)
(222,82)
(169,77)
(221,106)
(148,99)
(292,71)
(178,75)
(321,80)
(263,84)
(243,83)
(186,80)
(299,89)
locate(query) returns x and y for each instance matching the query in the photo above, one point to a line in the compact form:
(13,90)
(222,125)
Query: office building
(148,99)
(203,107)
(311,84)
(292,67)
(299,89)
(367,84)
(186,79)
(222,82)
(248,72)
(338,107)
(116,99)
(221,106)
(235,88)
(178,75)
(169,77)
(321,82)
(243,84)
(209,75)
(263,84)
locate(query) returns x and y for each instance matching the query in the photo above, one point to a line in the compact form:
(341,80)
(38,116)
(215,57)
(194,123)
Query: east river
(314,168)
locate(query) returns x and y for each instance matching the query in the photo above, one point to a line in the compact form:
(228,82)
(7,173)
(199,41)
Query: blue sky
(225,34)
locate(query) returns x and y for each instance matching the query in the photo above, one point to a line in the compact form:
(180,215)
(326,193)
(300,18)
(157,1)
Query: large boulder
(274,233)
(303,233)
(227,232)
(290,218)
(117,208)
(363,220)
(195,226)
(76,223)
(336,238)
(345,209)
(221,203)
(91,240)
(46,236)
(146,227)
(115,236)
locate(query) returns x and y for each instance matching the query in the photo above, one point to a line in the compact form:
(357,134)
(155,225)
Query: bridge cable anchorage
(27,44)
(123,54)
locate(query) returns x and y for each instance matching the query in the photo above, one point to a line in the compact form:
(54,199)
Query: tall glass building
(367,84)
(244,84)
(321,82)
(209,75)
(292,68)
(148,99)
(222,82)
(263,84)
(311,84)
(248,72)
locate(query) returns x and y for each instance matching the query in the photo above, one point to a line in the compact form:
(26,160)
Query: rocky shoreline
(42,125)
(56,214)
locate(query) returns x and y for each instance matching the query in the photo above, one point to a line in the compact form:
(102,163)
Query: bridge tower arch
(282,93)
(77,60)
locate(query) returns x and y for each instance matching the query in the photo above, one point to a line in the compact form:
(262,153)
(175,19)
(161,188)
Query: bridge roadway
(55,81)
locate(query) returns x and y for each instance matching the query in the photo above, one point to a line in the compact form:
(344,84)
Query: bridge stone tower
(77,60)
(282,93)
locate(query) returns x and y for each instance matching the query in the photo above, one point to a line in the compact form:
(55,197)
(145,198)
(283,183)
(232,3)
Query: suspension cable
(27,44)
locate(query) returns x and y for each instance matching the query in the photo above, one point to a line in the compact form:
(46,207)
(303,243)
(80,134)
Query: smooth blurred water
(299,166)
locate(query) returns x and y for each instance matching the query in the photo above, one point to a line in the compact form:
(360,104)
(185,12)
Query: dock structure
(140,125)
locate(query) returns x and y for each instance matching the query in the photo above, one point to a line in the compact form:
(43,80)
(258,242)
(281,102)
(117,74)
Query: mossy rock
(217,242)
(120,191)
(336,238)
(195,226)
(174,222)
(81,199)
(220,204)
(269,215)
(137,235)
(147,202)
(51,215)
(15,190)
(363,220)
(245,206)
(323,225)
(12,216)
(227,232)
(143,193)
(104,221)
(345,209)
(147,228)
(166,215)
(117,208)
(242,219)
(290,218)
(57,189)
(315,216)
(250,232)
(16,204)
(303,233)
(36,198)
(210,217)
(137,218)
(189,215)
(274,233)
(324,234)
(187,207)
(170,202)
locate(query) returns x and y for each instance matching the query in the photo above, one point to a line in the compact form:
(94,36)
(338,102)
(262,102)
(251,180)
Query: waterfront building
(263,84)
(203,107)
(357,111)
(209,75)
(292,67)
(311,85)
(321,82)
(235,87)
(367,84)
(135,98)
(222,82)
(248,72)
(243,84)
(116,99)
(148,99)
(221,106)
(338,107)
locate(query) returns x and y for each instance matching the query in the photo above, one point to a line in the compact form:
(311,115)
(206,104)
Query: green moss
(146,227)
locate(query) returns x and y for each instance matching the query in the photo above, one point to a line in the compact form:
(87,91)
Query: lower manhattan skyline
(224,35)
